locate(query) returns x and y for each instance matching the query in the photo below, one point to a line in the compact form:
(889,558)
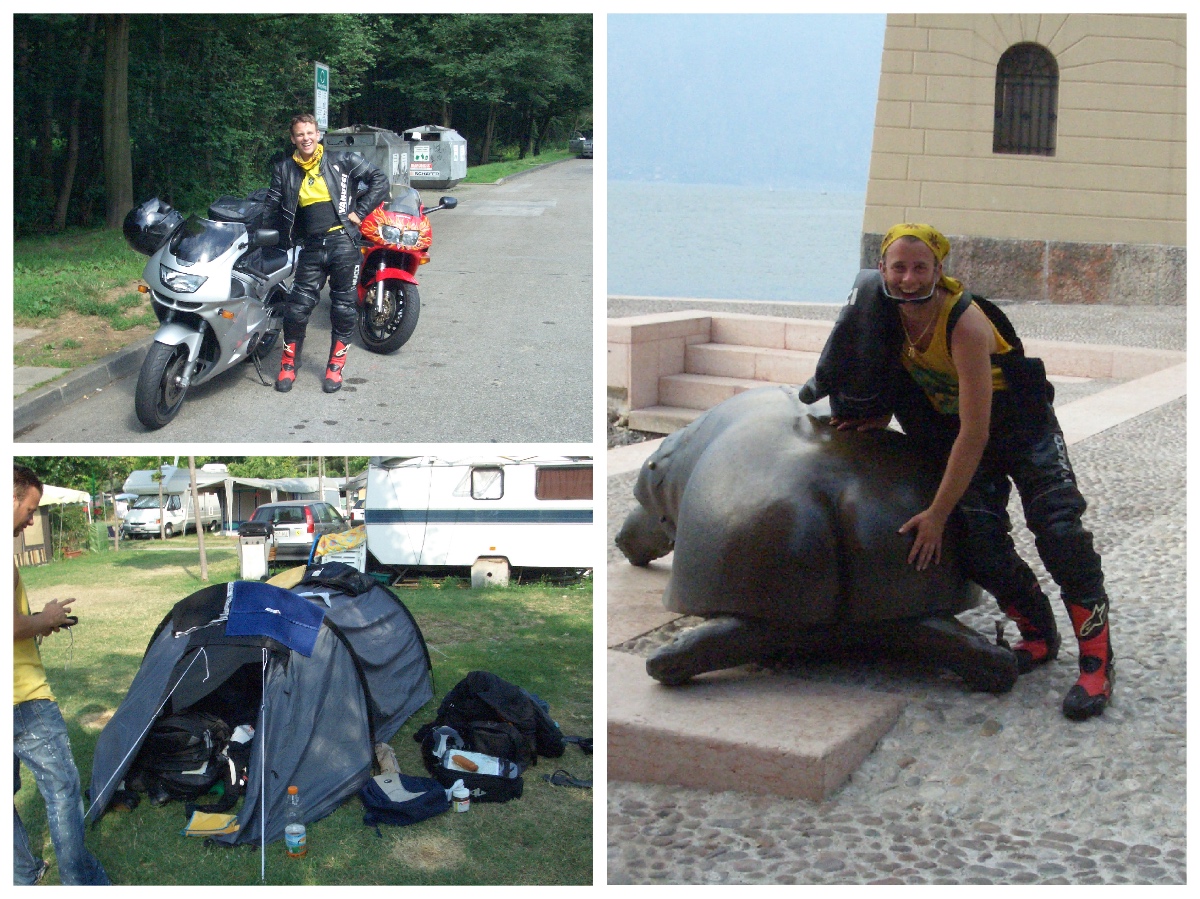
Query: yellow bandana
(932,238)
(314,163)
(927,234)
(313,188)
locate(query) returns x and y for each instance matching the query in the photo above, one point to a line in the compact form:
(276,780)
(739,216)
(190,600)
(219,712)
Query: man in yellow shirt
(313,200)
(39,732)
(967,400)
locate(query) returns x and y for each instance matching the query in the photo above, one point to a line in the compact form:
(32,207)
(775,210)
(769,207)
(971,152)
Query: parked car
(358,513)
(144,516)
(581,143)
(297,524)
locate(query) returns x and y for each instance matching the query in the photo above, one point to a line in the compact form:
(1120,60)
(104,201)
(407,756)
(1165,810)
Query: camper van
(176,513)
(430,512)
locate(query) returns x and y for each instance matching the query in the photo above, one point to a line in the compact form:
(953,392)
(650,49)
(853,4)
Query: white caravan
(176,513)
(429,512)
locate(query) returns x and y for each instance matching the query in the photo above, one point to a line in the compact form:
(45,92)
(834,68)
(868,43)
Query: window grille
(1026,101)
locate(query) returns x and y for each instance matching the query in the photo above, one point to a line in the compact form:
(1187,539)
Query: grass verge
(537,636)
(494,171)
(90,272)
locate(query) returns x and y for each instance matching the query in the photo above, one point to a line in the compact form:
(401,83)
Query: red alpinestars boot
(1092,691)
(288,366)
(1039,640)
(337,361)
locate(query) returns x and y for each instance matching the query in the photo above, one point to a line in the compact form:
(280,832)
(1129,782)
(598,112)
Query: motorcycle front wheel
(159,393)
(387,330)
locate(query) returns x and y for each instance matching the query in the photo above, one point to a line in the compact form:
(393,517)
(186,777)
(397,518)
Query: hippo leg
(642,538)
(947,642)
(718,643)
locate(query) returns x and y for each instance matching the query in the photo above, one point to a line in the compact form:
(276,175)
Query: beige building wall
(1109,205)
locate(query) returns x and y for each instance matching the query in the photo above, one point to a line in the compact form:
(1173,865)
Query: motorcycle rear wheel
(159,394)
(386,332)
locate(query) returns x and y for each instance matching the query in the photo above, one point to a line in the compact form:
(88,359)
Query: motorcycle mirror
(264,237)
(447,202)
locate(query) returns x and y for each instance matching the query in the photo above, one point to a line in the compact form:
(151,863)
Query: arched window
(1026,101)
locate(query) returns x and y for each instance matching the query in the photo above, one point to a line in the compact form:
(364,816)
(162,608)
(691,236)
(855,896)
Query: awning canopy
(58,496)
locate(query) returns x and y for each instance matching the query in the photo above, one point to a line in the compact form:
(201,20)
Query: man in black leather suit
(312,201)
(961,387)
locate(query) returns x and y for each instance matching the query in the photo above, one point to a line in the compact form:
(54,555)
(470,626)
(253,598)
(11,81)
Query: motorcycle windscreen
(203,240)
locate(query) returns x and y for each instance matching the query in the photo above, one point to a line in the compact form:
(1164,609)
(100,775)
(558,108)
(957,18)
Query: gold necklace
(911,349)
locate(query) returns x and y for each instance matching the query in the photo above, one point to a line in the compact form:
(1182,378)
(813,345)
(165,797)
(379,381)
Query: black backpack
(498,718)
(187,755)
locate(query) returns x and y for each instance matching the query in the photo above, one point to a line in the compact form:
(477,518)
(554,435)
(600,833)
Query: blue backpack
(394,798)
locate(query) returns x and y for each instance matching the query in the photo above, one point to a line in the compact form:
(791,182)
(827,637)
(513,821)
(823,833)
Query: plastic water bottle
(294,837)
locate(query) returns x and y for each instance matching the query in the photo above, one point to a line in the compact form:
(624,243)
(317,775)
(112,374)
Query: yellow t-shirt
(313,188)
(29,677)
(934,369)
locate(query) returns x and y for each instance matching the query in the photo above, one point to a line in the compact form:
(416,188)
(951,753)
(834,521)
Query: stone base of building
(1062,272)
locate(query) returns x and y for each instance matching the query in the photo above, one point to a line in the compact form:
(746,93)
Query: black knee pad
(343,314)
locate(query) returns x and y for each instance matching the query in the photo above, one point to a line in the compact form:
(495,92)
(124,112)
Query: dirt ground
(620,435)
(73,340)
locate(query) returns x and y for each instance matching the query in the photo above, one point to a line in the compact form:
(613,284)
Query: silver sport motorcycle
(217,285)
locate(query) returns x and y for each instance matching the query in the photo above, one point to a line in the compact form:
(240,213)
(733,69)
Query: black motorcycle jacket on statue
(342,171)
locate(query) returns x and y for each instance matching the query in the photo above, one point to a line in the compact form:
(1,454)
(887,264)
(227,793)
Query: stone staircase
(665,369)
(691,364)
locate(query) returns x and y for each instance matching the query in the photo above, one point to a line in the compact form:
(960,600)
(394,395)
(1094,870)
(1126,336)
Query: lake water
(721,241)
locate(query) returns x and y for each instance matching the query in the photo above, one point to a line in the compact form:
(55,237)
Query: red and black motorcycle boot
(1039,635)
(288,366)
(337,362)
(1092,691)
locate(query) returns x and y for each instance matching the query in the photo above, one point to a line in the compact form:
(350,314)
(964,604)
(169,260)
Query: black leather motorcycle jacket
(342,172)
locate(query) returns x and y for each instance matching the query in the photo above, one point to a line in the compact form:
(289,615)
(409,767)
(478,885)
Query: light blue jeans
(40,741)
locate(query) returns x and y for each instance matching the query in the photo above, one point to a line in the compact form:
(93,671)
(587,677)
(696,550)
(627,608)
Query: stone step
(690,391)
(751,362)
(734,730)
(662,419)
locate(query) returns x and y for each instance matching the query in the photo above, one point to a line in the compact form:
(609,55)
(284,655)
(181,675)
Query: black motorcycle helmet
(148,226)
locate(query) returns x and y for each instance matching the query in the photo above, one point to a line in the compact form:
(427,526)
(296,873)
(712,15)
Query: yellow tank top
(934,369)
(29,677)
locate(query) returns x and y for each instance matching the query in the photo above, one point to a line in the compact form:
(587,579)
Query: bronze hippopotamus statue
(785,533)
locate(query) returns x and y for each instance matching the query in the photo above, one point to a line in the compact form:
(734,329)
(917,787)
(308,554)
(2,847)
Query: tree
(68,179)
(199,523)
(189,107)
(118,165)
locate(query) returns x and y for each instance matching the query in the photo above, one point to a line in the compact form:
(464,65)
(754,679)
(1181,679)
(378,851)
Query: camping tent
(345,666)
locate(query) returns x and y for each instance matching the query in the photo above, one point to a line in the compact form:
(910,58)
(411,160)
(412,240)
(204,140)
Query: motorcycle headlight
(410,238)
(180,282)
(391,234)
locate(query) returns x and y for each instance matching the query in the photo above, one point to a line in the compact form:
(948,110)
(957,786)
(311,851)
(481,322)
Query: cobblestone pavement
(970,787)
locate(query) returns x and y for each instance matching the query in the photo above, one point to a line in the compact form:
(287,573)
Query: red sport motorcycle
(396,240)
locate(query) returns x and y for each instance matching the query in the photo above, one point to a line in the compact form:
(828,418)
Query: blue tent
(322,672)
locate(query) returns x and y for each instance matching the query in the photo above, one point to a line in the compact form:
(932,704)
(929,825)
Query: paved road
(502,353)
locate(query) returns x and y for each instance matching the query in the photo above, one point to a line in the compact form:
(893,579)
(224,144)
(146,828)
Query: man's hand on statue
(878,423)
(927,542)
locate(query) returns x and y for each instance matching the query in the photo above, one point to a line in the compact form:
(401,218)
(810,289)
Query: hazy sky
(770,100)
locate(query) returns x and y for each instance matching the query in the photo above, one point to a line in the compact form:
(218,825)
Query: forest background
(109,108)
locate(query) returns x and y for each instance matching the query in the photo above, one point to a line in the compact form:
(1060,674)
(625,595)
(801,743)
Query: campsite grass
(538,636)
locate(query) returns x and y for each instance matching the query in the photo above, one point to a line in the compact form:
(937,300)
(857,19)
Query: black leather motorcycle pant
(1026,449)
(335,257)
